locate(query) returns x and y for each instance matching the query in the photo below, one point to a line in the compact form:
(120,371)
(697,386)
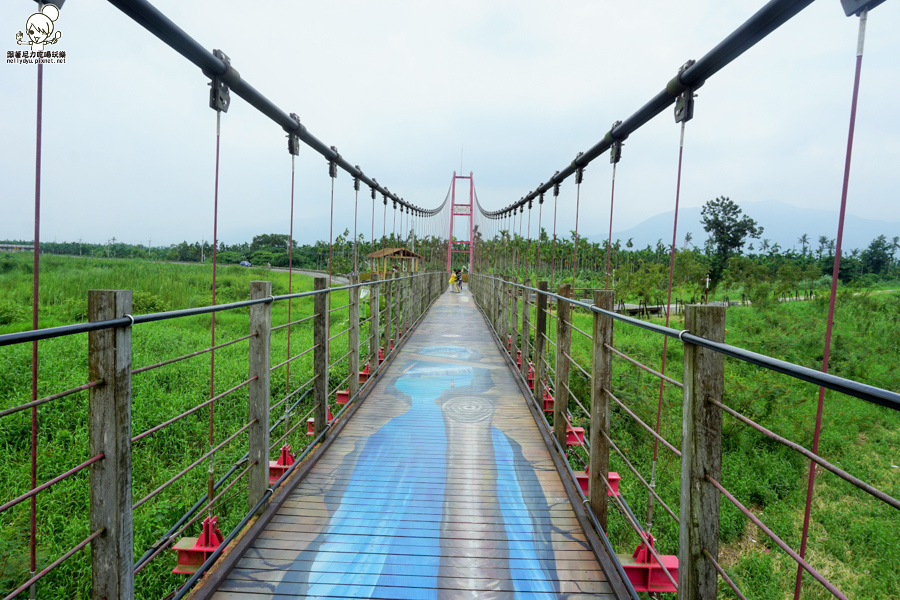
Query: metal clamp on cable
(681,334)
(219,96)
(615,145)
(132,320)
(579,171)
(332,164)
(294,137)
(684,104)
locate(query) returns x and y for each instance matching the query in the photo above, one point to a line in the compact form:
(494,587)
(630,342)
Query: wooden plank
(562,542)
(326,557)
(463,530)
(248,579)
(572,553)
(322,518)
(487,569)
(391,594)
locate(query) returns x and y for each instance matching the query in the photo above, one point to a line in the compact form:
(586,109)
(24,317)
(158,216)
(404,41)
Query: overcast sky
(399,87)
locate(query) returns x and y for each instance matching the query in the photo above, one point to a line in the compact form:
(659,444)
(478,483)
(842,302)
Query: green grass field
(157,395)
(853,539)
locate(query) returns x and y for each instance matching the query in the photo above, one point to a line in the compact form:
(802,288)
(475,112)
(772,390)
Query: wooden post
(109,417)
(398,307)
(601,374)
(539,345)
(388,308)
(563,347)
(320,355)
(374,321)
(258,390)
(354,336)
(502,321)
(514,316)
(407,286)
(701,454)
(526,328)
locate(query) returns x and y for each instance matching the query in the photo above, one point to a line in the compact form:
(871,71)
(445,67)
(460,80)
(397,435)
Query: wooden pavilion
(406,260)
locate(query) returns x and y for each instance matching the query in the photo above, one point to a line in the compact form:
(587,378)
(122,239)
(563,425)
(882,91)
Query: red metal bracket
(645,573)
(365,373)
(311,423)
(193,552)
(548,401)
(342,397)
(278,467)
(612,476)
(574,435)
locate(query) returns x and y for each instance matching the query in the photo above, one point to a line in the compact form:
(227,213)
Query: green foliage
(157,395)
(853,537)
(728,230)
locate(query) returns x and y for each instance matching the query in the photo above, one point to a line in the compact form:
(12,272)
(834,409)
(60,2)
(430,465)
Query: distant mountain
(782,224)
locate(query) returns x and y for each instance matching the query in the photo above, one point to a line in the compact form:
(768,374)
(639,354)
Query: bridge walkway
(440,485)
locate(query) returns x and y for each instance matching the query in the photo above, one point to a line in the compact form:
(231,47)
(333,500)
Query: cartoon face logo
(39,28)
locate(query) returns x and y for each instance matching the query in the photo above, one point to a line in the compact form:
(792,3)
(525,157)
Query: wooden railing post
(514,316)
(701,454)
(601,375)
(422,305)
(388,311)
(374,321)
(354,336)
(398,307)
(408,287)
(258,391)
(563,348)
(109,416)
(320,355)
(539,343)
(526,328)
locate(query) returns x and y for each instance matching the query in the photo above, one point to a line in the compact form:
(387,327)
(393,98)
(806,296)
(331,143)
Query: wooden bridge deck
(439,486)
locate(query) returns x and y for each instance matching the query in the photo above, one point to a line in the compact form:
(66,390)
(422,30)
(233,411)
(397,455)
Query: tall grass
(853,539)
(157,395)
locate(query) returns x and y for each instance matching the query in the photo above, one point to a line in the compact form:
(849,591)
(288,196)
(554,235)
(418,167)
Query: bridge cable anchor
(615,145)
(684,103)
(294,137)
(332,164)
(219,92)
(579,171)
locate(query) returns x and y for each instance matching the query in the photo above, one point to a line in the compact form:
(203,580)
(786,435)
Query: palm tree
(804,241)
(687,239)
(895,245)
(764,245)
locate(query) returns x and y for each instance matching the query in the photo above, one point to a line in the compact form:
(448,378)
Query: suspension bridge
(431,444)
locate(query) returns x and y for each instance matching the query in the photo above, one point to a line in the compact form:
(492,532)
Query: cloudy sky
(400,87)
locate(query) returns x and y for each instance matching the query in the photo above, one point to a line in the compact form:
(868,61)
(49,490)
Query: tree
(877,257)
(804,242)
(728,230)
